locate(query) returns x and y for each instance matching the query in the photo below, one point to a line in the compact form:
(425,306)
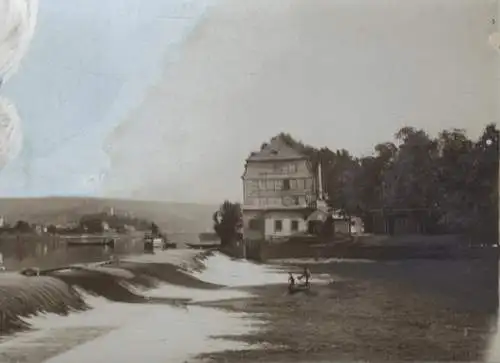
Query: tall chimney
(320,182)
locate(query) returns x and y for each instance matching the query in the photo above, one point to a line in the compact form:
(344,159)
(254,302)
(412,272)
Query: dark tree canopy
(22,226)
(228,222)
(452,176)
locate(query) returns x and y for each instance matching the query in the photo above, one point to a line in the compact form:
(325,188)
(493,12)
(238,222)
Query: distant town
(93,223)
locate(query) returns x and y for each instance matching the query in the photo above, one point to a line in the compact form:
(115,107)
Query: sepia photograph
(213,181)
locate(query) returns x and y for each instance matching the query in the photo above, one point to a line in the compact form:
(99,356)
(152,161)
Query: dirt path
(359,318)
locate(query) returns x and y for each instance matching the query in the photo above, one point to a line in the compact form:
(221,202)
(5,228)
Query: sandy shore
(373,311)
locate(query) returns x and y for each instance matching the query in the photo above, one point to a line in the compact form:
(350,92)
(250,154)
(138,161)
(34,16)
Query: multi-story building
(279,188)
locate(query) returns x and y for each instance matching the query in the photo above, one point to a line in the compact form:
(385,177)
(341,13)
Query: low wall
(263,250)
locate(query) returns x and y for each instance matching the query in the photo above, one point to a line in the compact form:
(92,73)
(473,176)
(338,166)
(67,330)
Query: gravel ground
(374,311)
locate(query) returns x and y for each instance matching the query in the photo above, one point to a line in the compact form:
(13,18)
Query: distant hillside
(171,217)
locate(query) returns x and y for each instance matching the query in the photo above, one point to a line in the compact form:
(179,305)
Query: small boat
(170,245)
(103,243)
(292,289)
(151,243)
(157,242)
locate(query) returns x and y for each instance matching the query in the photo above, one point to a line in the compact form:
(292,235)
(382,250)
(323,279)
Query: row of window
(279,184)
(254,224)
(271,201)
(285,168)
(278,225)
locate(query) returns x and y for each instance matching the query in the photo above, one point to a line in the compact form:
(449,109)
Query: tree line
(89,223)
(451,176)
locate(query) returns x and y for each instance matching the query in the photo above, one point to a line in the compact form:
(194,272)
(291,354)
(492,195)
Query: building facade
(279,189)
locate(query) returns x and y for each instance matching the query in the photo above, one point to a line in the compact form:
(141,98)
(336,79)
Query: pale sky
(177,93)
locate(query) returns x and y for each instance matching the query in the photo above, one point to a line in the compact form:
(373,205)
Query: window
(293,184)
(278,225)
(262,184)
(286,184)
(300,184)
(250,186)
(293,168)
(309,184)
(274,201)
(270,185)
(253,224)
(278,184)
(295,226)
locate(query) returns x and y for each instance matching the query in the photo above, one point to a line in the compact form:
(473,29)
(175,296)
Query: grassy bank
(365,317)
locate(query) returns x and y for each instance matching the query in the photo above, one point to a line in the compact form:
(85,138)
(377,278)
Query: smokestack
(320,182)
(320,202)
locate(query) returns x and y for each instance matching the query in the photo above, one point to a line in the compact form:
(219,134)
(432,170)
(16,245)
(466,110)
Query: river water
(102,331)
(49,252)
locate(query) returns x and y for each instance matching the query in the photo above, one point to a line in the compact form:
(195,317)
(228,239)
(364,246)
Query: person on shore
(291,282)
(306,276)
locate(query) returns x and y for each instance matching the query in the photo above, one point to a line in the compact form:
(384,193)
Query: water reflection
(49,252)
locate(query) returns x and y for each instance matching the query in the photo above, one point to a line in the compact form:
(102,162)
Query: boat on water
(157,242)
(298,288)
(82,243)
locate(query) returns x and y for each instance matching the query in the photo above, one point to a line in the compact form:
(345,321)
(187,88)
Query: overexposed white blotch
(10,132)
(17,24)
(494,40)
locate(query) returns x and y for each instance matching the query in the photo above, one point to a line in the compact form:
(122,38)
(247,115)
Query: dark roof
(277,149)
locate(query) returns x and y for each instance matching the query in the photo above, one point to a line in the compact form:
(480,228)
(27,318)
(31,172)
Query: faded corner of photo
(249,180)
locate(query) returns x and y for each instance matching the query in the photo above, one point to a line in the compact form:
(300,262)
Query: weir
(53,290)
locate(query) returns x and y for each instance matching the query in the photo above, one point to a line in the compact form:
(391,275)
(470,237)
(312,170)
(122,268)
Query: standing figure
(306,275)
(291,282)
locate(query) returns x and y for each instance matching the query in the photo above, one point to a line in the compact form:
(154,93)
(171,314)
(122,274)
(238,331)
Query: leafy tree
(453,178)
(51,229)
(92,225)
(22,226)
(228,222)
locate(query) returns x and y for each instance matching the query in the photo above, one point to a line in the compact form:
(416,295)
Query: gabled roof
(277,149)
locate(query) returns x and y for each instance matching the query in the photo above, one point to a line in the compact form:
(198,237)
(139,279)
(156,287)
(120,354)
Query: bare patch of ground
(361,317)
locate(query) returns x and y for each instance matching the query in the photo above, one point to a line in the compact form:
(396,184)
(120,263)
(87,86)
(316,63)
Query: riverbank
(373,247)
(411,310)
